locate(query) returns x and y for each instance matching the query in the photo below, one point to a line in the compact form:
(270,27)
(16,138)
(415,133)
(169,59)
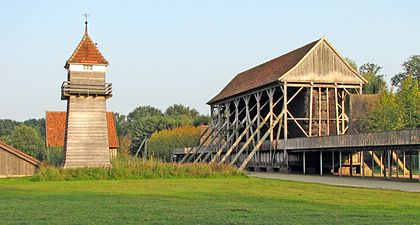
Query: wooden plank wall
(322,65)
(86,142)
(387,138)
(14,166)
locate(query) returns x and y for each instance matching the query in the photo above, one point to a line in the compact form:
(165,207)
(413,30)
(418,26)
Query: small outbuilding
(15,163)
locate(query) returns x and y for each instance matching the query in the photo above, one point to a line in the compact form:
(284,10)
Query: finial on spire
(86,15)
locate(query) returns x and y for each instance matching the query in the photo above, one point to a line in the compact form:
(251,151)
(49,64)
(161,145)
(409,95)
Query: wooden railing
(68,88)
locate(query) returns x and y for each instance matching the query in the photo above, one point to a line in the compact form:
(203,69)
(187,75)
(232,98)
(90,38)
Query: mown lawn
(236,200)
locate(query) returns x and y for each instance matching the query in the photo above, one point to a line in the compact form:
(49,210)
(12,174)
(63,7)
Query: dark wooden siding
(13,166)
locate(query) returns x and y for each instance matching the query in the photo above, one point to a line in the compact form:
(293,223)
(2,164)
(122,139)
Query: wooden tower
(86,136)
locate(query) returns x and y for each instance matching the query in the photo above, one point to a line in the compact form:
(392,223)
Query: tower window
(87,67)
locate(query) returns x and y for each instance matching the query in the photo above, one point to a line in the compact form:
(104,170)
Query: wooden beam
(328,112)
(249,140)
(342,112)
(304,162)
(311,90)
(373,162)
(389,165)
(340,160)
(301,128)
(257,147)
(294,95)
(320,162)
(285,125)
(362,165)
(323,85)
(319,112)
(336,110)
(351,163)
(246,143)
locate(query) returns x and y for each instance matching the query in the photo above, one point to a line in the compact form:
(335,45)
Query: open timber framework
(292,114)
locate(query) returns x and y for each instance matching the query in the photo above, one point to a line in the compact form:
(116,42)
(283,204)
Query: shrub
(131,168)
(162,143)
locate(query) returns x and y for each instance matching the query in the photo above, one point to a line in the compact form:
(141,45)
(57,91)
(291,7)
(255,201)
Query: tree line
(176,127)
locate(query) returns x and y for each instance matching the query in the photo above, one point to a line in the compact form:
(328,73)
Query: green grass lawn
(236,200)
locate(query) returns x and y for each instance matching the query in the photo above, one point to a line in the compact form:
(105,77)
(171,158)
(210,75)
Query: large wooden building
(86,136)
(14,163)
(302,93)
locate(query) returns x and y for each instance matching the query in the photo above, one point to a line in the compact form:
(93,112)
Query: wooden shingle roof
(55,127)
(278,69)
(86,53)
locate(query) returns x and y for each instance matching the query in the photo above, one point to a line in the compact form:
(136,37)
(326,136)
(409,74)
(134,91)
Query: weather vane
(86,15)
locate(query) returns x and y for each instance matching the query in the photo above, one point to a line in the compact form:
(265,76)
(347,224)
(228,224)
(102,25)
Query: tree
(179,110)
(386,114)
(143,121)
(352,63)
(38,124)
(376,82)
(26,139)
(121,124)
(6,127)
(408,97)
(410,67)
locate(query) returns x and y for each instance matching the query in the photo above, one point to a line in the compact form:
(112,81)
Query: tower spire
(86,15)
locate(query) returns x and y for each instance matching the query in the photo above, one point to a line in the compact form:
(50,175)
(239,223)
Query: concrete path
(343,181)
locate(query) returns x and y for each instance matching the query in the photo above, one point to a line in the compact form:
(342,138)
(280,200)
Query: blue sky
(166,52)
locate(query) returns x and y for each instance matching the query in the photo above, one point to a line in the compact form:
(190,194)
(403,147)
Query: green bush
(131,168)
(162,143)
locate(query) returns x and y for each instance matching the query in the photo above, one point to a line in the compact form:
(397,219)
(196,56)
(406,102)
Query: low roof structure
(316,62)
(55,124)
(15,163)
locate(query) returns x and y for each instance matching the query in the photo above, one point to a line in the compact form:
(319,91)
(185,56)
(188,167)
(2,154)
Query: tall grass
(129,168)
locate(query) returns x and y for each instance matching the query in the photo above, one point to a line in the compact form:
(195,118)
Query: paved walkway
(343,181)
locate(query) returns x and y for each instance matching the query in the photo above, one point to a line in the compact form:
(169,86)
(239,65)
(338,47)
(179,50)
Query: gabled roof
(19,154)
(86,53)
(276,70)
(55,129)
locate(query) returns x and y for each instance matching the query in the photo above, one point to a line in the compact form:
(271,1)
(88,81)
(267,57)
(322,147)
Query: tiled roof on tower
(86,52)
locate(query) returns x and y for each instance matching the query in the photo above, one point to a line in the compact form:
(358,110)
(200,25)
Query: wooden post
(411,163)
(389,165)
(396,162)
(320,162)
(351,163)
(362,161)
(258,99)
(382,163)
(404,165)
(304,162)
(310,108)
(342,112)
(285,129)
(373,163)
(328,112)
(341,168)
(319,112)
(336,109)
